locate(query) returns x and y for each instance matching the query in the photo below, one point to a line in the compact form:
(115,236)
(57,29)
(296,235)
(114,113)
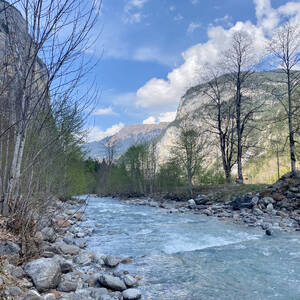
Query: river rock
(130,281)
(83,259)
(44,272)
(191,203)
(48,234)
(112,261)
(267,200)
(67,284)
(113,283)
(49,296)
(32,295)
(67,249)
(241,202)
(13,291)
(9,248)
(131,294)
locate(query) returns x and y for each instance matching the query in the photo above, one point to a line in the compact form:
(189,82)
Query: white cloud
(104,111)
(150,120)
(225,21)
(162,117)
(165,94)
(132,13)
(178,17)
(267,16)
(192,27)
(167,116)
(96,133)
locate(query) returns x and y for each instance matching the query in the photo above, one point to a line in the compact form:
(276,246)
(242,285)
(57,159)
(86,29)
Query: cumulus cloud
(164,94)
(104,111)
(96,133)
(162,117)
(150,120)
(161,93)
(192,27)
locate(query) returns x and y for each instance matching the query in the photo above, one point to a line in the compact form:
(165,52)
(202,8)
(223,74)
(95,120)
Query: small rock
(13,291)
(67,284)
(113,283)
(32,295)
(49,297)
(83,259)
(48,234)
(130,281)
(269,232)
(112,261)
(131,294)
(9,248)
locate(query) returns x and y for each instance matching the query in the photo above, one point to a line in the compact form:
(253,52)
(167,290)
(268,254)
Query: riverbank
(63,269)
(274,207)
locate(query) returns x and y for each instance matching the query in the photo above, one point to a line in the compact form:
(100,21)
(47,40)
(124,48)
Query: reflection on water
(195,257)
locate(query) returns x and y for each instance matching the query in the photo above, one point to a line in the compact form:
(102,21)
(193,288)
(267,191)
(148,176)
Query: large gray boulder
(44,272)
(131,294)
(112,282)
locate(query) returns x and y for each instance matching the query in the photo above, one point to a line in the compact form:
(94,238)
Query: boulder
(44,272)
(130,281)
(67,249)
(112,261)
(131,294)
(112,282)
(241,202)
(8,248)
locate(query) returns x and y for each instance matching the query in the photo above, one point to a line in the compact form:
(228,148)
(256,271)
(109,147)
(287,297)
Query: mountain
(260,87)
(129,135)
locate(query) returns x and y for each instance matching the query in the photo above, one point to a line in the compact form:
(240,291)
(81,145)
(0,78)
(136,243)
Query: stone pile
(65,269)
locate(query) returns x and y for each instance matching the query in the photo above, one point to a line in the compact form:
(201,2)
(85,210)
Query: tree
(190,150)
(42,65)
(285,47)
(218,114)
(239,61)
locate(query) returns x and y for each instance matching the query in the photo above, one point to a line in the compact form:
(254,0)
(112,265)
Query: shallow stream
(189,257)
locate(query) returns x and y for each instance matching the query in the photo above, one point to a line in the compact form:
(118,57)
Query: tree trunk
(291,130)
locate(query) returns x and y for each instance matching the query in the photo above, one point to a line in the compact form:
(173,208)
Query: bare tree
(190,149)
(285,47)
(43,59)
(239,61)
(218,114)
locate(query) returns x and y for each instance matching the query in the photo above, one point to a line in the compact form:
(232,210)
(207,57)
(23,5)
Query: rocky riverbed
(276,207)
(64,270)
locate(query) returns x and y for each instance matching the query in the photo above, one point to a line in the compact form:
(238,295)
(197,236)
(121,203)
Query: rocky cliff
(259,88)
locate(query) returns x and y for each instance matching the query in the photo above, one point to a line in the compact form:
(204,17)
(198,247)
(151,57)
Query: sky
(151,51)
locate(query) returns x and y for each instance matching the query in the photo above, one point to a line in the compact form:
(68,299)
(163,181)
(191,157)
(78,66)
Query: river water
(189,257)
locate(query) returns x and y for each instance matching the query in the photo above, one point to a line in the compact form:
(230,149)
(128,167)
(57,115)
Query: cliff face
(126,137)
(259,88)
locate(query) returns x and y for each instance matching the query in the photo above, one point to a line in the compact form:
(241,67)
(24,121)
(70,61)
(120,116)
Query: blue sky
(152,50)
